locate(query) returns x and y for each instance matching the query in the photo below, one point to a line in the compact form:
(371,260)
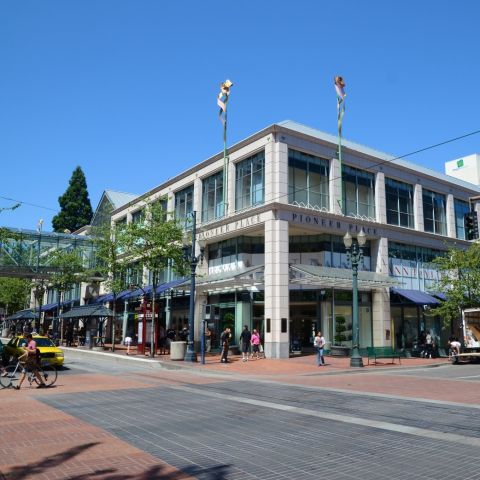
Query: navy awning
(160,289)
(440,295)
(49,307)
(416,296)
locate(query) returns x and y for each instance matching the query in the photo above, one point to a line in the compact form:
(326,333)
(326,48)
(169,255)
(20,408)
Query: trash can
(177,350)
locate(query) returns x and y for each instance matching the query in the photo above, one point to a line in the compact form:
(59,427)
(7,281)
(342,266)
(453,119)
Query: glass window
(250,181)
(358,192)
(434,217)
(307,180)
(184,203)
(212,197)
(461,209)
(399,197)
(138,216)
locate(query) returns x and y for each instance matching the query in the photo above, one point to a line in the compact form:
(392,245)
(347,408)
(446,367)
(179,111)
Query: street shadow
(157,472)
(36,468)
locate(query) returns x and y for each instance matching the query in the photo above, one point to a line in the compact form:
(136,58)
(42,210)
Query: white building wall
(380,198)
(450,216)
(418,207)
(276,288)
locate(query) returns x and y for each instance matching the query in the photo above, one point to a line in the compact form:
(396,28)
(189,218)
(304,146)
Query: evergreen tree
(76,209)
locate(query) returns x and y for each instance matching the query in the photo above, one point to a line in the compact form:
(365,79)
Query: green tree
(14,293)
(459,281)
(110,266)
(76,209)
(67,269)
(155,242)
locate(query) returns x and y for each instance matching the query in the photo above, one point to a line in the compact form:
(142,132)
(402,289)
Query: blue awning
(416,296)
(148,289)
(440,295)
(49,307)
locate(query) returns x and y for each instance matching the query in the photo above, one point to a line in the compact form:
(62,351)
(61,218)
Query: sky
(127,88)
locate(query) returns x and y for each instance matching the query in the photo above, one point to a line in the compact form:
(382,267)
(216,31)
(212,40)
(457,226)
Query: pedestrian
(225,344)
(183,335)
(319,344)
(245,338)
(255,341)
(428,345)
(31,358)
(128,342)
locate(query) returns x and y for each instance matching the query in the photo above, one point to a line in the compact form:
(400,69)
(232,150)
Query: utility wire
(30,204)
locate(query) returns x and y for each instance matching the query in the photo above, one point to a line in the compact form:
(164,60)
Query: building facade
(275,258)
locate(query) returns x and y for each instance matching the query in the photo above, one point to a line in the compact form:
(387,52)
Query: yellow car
(49,352)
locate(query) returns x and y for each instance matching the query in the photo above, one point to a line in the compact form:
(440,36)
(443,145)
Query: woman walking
(255,341)
(245,338)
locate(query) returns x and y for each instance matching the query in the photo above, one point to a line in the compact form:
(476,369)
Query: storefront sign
(328,223)
(231,227)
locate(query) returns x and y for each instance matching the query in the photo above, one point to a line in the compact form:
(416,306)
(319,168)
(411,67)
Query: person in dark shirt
(245,338)
(225,344)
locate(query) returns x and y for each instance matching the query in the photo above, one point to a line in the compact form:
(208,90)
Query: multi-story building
(275,258)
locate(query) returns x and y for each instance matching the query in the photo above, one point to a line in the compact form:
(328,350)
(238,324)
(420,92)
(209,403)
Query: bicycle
(10,377)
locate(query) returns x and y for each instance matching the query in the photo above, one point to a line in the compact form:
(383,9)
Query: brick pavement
(39,442)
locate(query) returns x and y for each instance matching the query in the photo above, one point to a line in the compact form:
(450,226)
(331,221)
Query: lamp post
(39,292)
(355,256)
(144,323)
(193,259)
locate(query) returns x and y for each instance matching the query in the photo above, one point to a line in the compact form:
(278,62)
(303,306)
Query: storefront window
(434,217)
(250,181)
(358,192)
(184,203)
(212,197)
(307,180)
(399,198)
(461,209)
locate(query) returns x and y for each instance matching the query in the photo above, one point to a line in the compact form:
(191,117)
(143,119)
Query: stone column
(276,288)
(450,215)
(381,298)
(276,171)
(380,198)
(418,207)
(335,186)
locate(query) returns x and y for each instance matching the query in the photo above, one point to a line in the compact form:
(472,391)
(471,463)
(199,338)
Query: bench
(382,352)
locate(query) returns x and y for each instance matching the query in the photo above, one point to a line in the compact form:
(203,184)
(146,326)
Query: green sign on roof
(460,163)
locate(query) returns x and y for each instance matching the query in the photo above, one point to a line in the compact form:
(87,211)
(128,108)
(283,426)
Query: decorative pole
(222,101)
(340,89)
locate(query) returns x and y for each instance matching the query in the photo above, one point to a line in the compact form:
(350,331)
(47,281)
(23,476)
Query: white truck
(471,336)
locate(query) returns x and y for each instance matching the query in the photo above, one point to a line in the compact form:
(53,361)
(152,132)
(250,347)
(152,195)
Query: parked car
(49,352)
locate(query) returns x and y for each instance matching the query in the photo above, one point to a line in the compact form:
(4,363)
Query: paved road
(225,427)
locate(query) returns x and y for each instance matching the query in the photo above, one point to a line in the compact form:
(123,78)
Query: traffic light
(471,225)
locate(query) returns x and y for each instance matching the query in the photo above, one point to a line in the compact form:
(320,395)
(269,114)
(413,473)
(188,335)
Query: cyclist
(31,362)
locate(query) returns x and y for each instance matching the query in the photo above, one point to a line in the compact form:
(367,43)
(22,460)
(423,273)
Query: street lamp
(193,259)
(355,256)
(134,287)
(39,292)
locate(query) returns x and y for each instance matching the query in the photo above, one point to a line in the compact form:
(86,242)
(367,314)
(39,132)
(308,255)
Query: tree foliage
(156,240)
(109,250)
(76,209)
(67,269)
(459,281)
(14,293)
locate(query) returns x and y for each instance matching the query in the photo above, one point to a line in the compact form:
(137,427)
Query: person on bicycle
(31,362)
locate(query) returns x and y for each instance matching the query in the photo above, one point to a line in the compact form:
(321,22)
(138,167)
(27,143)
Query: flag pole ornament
(222,101)
(340,90)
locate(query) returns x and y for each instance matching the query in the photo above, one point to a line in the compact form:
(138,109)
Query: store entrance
(303,325)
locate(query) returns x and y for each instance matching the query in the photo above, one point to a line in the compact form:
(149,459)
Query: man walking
(245,338)
(225,344)
(319,344)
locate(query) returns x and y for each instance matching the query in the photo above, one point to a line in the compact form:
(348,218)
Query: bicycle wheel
(49,373)
(10,377)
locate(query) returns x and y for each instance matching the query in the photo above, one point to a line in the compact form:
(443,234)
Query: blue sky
(127,89)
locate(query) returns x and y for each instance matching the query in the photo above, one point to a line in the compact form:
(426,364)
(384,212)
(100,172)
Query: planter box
(339,351)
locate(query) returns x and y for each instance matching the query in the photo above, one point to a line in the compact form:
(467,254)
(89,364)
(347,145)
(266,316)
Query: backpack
(38,355)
